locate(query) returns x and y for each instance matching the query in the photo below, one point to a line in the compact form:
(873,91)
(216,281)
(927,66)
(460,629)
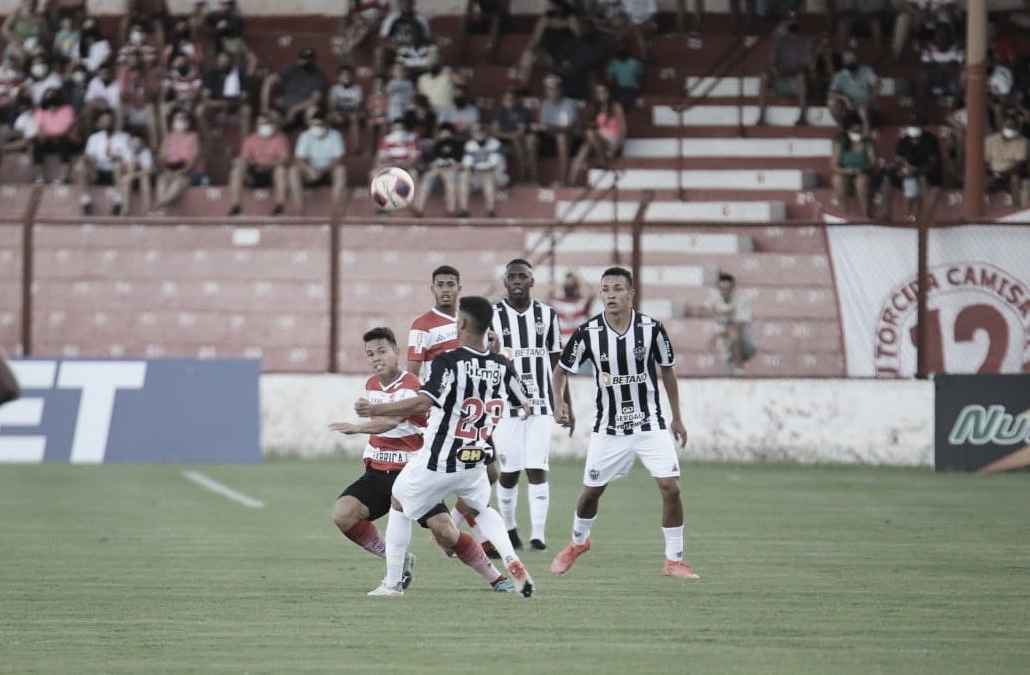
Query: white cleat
(520,577)
(387,591)
(409,570)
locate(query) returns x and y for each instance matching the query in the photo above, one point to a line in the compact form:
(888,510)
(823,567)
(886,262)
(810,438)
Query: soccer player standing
(530,337)
(468,390)
(626,349)
(435,332)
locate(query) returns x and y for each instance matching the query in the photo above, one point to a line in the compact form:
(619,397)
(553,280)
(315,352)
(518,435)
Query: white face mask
(187,49)
(136,37)
(265,130)
(40,70)
(181,125)
(1009,133)
(914,132)
(320,131)
(78,77)
(855,137)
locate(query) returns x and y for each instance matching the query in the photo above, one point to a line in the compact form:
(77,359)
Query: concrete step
(749,87)
(669,242)
(727,147)
(730,115)
(674,211)
(664,179)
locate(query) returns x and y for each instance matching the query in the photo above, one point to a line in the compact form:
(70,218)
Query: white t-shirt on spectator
(640,11)
(51,81)
(99,52)
(26,124)
(106,147)
(110,93)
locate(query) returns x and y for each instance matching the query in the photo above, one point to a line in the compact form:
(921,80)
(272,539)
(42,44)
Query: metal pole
(922,332)
(638,228)
(616,256)
(976,107)
(334,293)
(26,287)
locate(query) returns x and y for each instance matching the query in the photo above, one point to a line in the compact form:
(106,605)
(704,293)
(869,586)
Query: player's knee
(344,515)
(536,476)
(670,488)
(444,531)
(509,479)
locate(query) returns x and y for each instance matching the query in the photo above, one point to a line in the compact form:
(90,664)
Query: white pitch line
(227,492)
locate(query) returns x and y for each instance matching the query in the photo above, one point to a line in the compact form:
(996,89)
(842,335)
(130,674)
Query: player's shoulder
(372,383)
(594,323)
(647,320)
(429,320)
(410,381)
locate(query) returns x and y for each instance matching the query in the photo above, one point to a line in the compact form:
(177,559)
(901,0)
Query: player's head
(518,280)
(381,350)
(446,286)
(617,289)
(476,316)
(727,283)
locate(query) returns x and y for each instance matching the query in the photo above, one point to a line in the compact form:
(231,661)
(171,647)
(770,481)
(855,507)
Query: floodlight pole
(976,108)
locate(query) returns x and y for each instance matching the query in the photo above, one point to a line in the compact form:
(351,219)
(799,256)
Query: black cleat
(537,545)
(409,570)
(516,543)
(490,551)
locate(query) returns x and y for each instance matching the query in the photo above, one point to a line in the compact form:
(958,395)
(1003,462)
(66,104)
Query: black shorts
(259,177)
(374,488)
(324,180)
(548,144)
(104,177)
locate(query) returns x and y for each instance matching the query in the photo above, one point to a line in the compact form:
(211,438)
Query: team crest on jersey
(506,332)
(540,328)
(606,379)
(639,352)
(604,358)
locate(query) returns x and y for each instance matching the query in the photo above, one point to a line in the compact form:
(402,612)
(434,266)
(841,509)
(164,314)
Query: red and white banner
(978,302)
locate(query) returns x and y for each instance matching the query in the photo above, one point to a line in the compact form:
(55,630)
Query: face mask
(187,49)
(1009,133)
(78,77)
(136,37)
(181,125)
(320,131)
(855,137)
(40,70)
(265,130)
(914,132)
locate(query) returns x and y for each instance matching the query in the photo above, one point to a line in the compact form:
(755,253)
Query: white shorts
(523,443)
(611,457)
(418,489)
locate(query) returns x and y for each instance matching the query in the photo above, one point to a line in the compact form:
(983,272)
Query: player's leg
(398,538)
(463,546)
(509,438)
(537,456)
(365,500)
(657,452)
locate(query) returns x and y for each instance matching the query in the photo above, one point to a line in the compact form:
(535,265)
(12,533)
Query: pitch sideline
(224,490)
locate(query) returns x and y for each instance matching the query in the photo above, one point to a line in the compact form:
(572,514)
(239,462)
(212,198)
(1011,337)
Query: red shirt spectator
(266,151)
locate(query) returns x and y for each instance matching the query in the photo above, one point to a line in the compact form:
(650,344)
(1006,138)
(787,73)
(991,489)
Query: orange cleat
(520,577)
(565,559)
(678,568)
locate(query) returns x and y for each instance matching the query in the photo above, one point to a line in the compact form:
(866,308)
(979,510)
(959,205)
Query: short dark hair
(380,333)
(446,269)
(519,261)
(726,276)
(619,272)
(479,310)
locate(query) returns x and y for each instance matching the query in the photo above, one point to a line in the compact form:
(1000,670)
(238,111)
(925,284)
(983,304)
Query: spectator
(23,131)
(43,79)
(23,30)
(182,85)
(142,43)
(318,161)
(793,60)
(225,90)
(421,119)
(359,22)
(225,26)
(605,135)
(481,166)
(1005,153)
(67,39)
(184,43)
(75,87)
(636,18)
(916,167)
(925,16)
(438,84)
(405,36)
(554,132)
(102,163)
(488,17)
(940,74)
(853,163)
(104,93)
(512,122)
(399,92)
(376,109)
(398,148)
(263,162)
(347,107)
(860,18)
(137,171)
(589,53)
(55,125)
(302,87)
(552,41)
(443,160)
(625,74)
(572,307)
(464,114)
(94,49)
(150,16)
(853,91)
(732,312)
(140,86)
(11,80)
(180,161)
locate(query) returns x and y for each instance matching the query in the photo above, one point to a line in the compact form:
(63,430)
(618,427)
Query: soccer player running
(625,348)
(468,390)
(392,442)
(529,336)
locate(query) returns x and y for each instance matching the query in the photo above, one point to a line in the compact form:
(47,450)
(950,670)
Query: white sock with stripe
(539,503)
(492,525)
(398,538)
(507,503)
(673,542)
(581,529)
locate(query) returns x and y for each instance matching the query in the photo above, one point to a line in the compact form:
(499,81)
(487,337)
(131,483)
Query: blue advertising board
(157,411)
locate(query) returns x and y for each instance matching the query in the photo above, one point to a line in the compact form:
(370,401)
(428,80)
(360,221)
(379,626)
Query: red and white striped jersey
(432,334)
(391,450)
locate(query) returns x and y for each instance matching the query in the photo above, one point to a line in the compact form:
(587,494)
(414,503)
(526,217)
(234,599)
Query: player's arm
(408,407)
(566,392)
(375,425)
(416,350)
(8,384)
(666,358)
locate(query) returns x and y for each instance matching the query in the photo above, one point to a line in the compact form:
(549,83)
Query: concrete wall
(848,421)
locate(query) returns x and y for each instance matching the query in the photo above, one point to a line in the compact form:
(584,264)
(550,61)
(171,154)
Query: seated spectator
(405,36)
(22,134)
(137,171)
(301,87)
(732,311)
(225,90)
(104,92)
(552,41)
(916,168)
(139,41)
(438,84)
(572,306)
(94,49)
(631,18)
(852,165)
(512,121)
(923,17)
(860,18)
(588,55)
(488,17)
(941,73)
(76,86)
(11,80)
(1005,153)
(23,30)
(398,148)
(182,85)
(444,162)
(347,107)
(554,132)
(421,119)
(359,22)
(399,92)
(179,159)
(605,135)
(853,91)
(625,74)
(464,114)
(263,163)
(67,39)
(481,164)
(793,60)
(376,109)
(151,16)
(140,88)
(42,79)
(318,161)
(225,26)
(55,127)
(184,42)
(102,163)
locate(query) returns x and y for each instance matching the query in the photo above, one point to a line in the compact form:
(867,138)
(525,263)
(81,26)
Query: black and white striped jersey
(625,371)
(471,391)
(527,340)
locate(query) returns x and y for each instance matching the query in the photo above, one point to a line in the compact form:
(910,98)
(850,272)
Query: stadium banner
(153,411)
(732,420)
(978,301)
(982,423)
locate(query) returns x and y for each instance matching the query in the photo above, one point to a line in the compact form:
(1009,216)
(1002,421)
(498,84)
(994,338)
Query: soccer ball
(392,188)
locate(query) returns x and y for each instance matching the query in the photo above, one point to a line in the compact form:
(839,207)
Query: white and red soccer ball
(392,188)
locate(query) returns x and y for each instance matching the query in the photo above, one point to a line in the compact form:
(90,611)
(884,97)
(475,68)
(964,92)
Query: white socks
(507,503)
(398,537)
(673,542)
(492,526)
(539,503)
(459,520)
(580,529)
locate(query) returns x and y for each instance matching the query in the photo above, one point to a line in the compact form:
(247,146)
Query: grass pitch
(130,569)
